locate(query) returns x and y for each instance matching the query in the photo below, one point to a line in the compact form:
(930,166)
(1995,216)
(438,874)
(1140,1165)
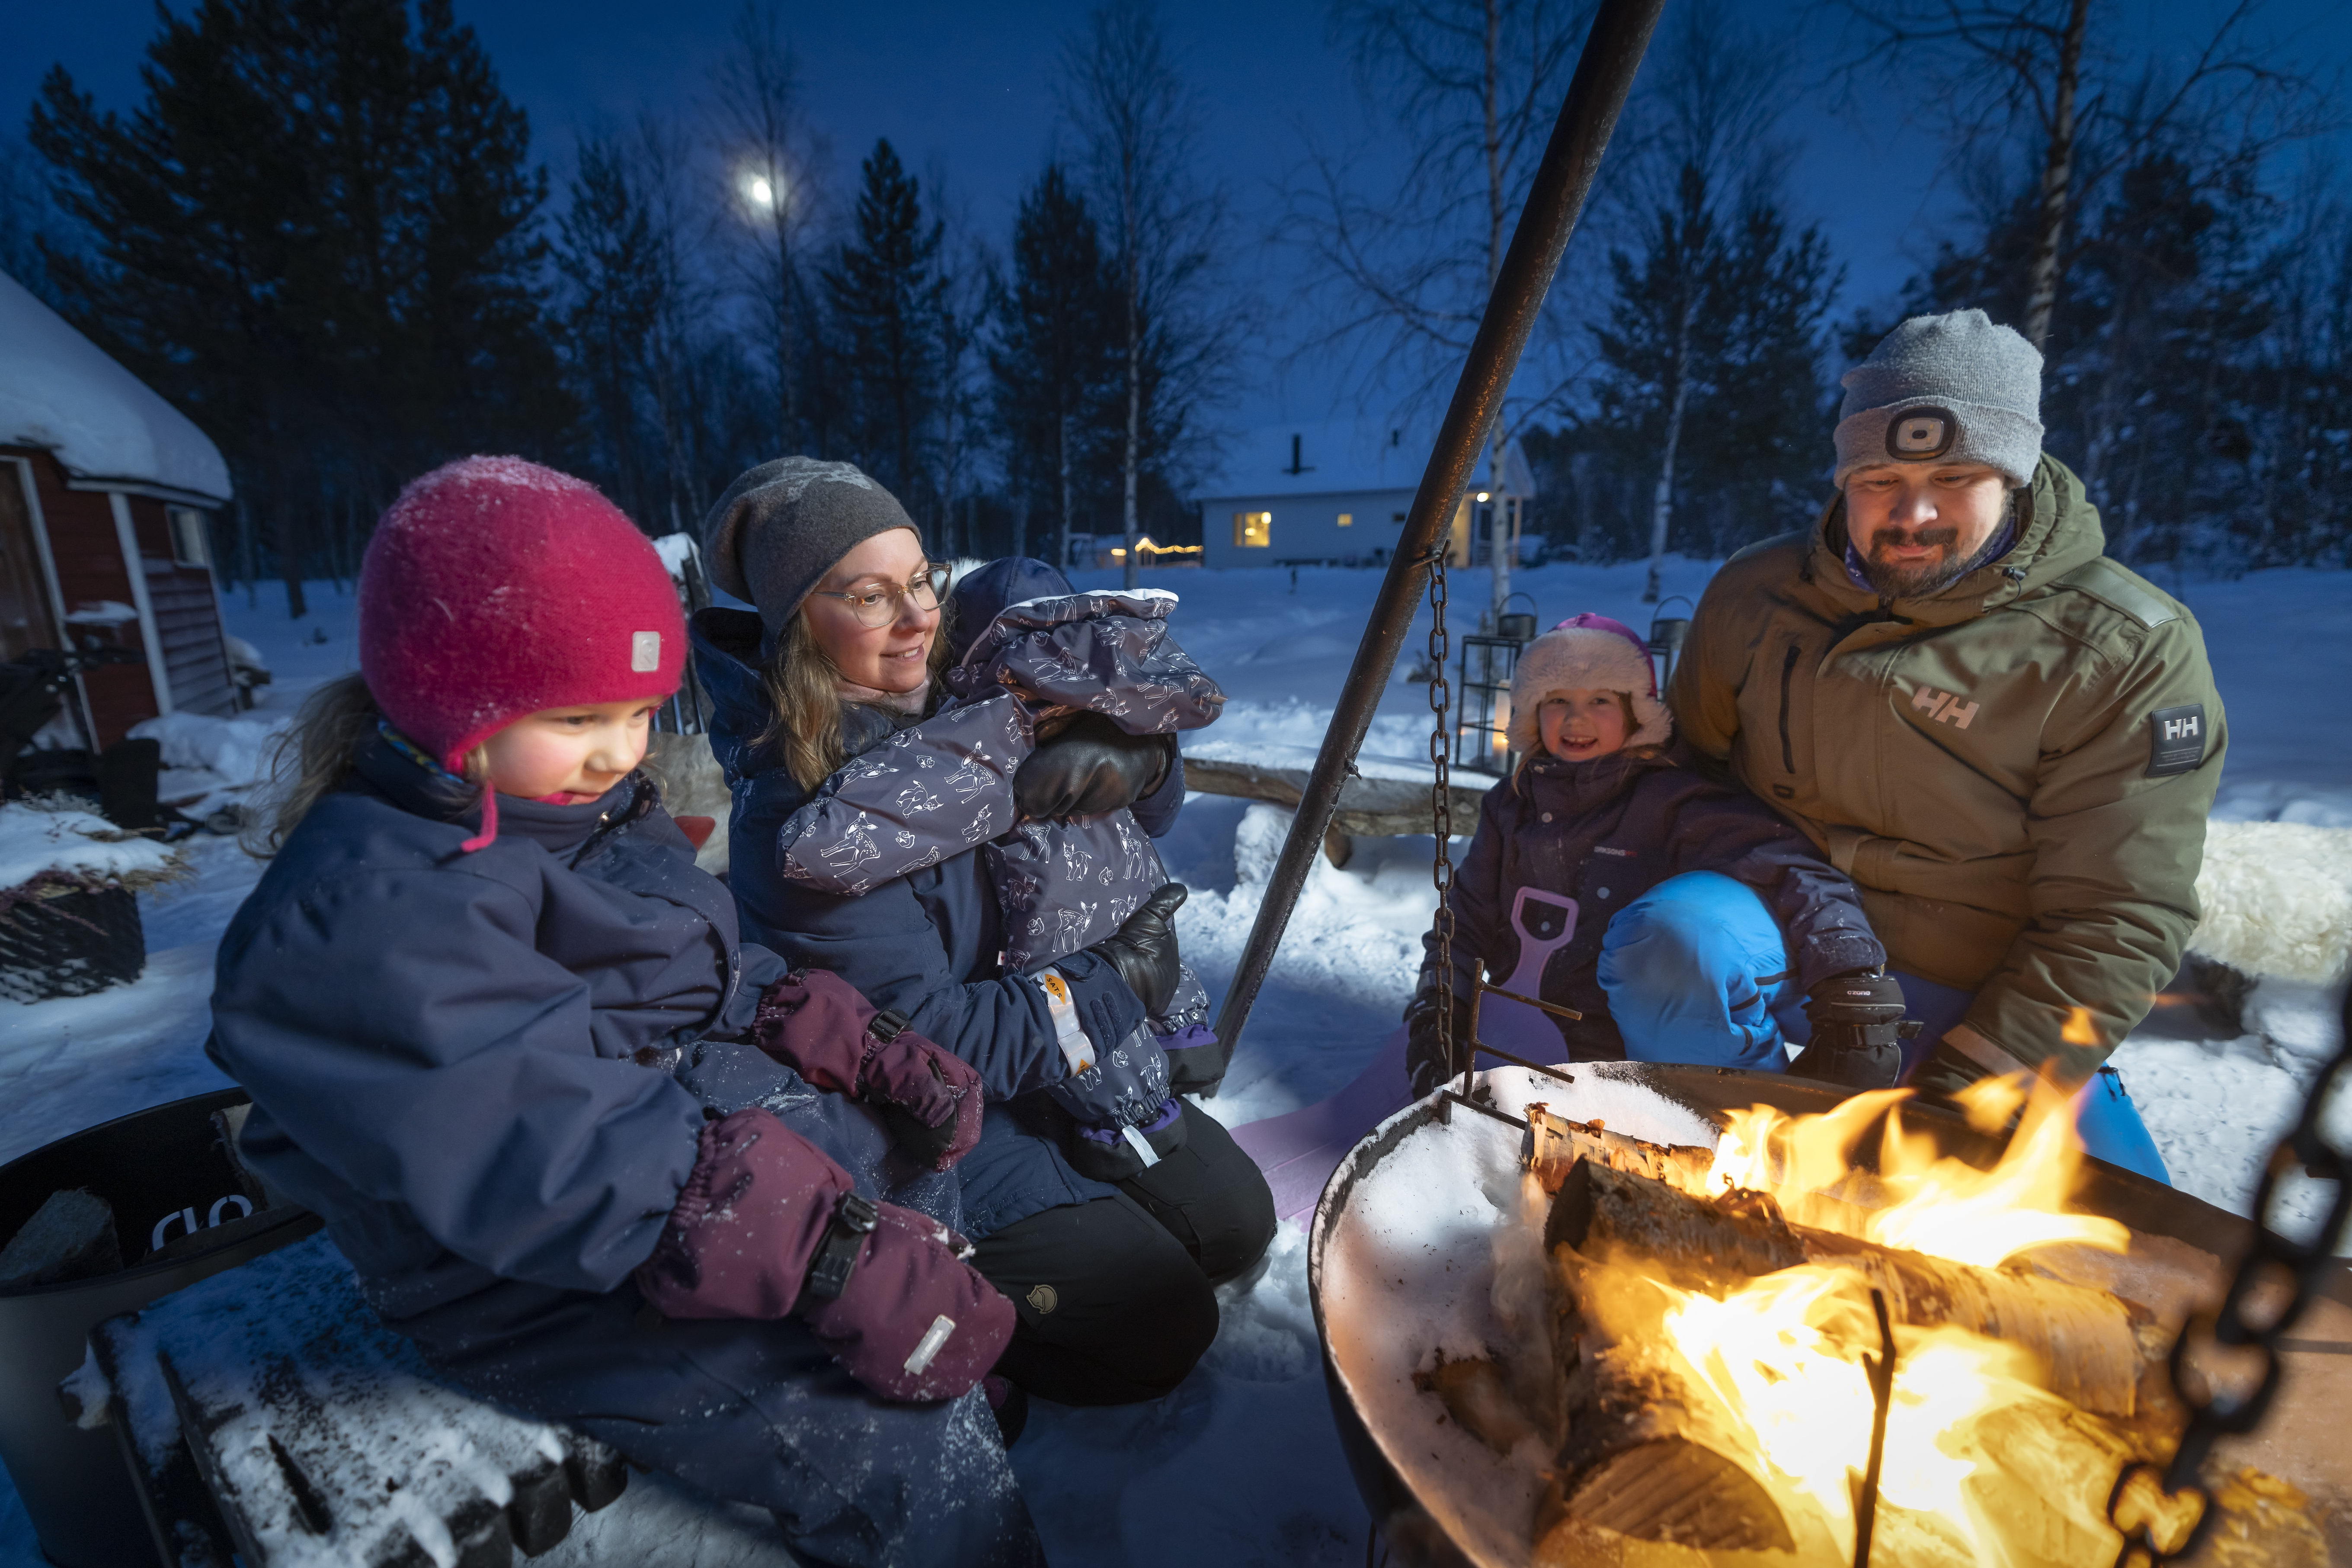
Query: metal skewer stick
(1604,75)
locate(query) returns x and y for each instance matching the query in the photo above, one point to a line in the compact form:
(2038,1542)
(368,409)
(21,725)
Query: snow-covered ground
(1247,1443)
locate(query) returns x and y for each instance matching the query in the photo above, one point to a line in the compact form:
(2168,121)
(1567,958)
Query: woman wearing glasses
(1112,1280)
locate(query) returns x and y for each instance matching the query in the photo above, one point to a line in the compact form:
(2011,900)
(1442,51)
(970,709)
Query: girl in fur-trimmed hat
(1685,920)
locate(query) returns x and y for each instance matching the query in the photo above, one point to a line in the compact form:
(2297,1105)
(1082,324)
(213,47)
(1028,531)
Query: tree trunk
(1062,442)
(1662,500)
(287,533)
(1130,458)
(2057,174)
(787,411)
(1498,543)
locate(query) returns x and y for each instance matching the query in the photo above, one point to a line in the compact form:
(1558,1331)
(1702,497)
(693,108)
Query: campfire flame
(1784,1357)
(1974,1441)
(1929,1202)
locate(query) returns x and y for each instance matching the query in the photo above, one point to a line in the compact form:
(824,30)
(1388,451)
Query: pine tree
(884,290)
(608,255)
(1655,344)
(1712,388)
(1759,435)
(1054,355)
(315,234)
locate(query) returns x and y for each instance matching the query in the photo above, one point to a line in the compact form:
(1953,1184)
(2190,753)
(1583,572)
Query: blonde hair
(804,686)
(315,755)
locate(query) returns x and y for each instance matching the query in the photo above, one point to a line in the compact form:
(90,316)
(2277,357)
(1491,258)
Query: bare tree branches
(771,159)
(1399,280)
(2087,96)
(1122,89)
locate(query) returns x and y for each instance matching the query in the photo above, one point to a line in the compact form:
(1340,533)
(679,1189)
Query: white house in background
(1337,491)
(104,492)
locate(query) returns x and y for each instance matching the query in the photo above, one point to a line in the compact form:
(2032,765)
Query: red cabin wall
(88,554)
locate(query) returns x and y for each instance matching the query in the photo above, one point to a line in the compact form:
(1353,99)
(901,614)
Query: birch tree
(1400,279)
(1123,92)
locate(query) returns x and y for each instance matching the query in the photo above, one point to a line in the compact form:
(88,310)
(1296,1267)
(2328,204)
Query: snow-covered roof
(1344,455)
(62,392)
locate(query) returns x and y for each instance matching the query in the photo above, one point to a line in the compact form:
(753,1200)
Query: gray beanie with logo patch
(1945,389)
(782,526)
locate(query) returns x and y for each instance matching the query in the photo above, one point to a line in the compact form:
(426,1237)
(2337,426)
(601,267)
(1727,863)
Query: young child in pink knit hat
(1683,918)
(603,1160)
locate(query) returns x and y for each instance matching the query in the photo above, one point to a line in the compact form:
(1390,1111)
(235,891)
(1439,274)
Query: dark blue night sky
(966,91)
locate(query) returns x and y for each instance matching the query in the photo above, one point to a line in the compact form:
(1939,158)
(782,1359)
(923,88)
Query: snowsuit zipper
(1788,677)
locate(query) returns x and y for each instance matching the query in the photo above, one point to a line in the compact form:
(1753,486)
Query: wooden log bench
(268,1418)
(1369,807)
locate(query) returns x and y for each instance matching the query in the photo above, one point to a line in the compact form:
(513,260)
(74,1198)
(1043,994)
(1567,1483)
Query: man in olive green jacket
(2008,740)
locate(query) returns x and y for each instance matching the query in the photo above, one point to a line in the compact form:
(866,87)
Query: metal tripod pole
(1604,74)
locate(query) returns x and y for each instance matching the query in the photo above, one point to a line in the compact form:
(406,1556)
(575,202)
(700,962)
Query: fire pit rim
(2144,1204)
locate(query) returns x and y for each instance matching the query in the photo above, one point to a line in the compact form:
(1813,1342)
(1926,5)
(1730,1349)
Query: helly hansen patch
(2176,742)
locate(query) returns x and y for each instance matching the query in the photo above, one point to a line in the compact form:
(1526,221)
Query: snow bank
(34,839)
(61,392)
(236,750)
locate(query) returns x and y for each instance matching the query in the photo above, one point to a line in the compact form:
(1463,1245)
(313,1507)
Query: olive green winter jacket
(2015,771)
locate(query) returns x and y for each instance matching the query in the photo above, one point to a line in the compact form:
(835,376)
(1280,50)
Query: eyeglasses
(879,607)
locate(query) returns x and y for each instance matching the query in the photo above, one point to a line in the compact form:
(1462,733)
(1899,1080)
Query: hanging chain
(1441,804)
(2162,1518)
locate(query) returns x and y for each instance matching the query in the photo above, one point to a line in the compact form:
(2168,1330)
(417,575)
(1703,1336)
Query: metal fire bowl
(2302,1441)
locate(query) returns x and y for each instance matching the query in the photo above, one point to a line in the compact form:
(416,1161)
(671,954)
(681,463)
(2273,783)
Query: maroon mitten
(755,1210)
(815,1022)
(911,1320)
(768,1224)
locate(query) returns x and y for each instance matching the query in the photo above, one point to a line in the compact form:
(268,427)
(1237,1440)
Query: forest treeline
(325,231)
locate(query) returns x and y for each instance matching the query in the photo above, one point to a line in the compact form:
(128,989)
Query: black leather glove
(1946,1072)
(1857,1020)
(1425,1066)
(1088,767)
(1143,950)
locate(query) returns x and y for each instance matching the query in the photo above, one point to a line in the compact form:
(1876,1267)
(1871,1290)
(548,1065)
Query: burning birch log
(1554,1144)
(1648,1453)
(2085,1339)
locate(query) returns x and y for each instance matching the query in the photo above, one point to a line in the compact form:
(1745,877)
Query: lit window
(189,545)
(1347,519)
(1253,529)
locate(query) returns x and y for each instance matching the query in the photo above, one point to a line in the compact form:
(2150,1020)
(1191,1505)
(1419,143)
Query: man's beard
(1892,582)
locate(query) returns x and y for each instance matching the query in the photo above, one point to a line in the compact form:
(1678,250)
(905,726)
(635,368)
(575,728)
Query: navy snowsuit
(488,1072)
(1606,834)
(1112,1283)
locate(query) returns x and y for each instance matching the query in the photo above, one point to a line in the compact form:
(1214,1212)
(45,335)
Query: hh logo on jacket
(1944,707)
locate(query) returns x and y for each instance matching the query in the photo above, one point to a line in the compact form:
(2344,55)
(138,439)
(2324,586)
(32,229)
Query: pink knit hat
(1587,653)
(495,588)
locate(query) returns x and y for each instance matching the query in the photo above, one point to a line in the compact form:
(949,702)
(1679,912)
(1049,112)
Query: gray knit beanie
(1945,389)
(782,526)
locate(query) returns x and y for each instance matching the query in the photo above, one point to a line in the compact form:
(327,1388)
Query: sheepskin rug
(2277,899)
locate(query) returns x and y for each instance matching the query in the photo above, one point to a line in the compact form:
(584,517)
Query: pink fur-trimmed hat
(1587,653)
